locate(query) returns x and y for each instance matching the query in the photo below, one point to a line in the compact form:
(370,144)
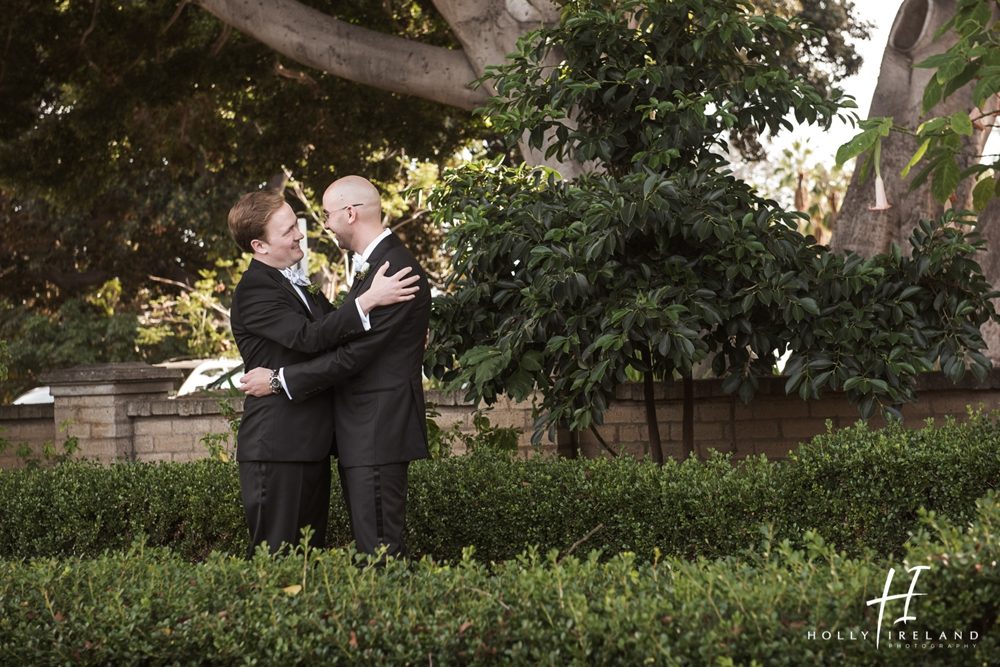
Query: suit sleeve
(337,366)
(266,313)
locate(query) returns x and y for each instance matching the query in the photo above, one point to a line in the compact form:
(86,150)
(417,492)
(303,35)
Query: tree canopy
(660,258)
(129,128)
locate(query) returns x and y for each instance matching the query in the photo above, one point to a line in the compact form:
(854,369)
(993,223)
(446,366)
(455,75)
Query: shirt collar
(371,246)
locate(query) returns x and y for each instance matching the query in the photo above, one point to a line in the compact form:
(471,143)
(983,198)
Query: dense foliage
(149,606)
(500,506)
(129,129)
(660,259)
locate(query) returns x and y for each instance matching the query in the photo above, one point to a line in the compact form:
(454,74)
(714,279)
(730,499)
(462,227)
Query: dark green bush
(858,488)
(152,606)
(82,508)
(864,486)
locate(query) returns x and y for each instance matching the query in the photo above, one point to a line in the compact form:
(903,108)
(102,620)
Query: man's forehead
(350,190)
(333,195)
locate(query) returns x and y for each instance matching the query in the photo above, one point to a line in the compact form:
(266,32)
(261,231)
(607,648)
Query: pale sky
(881,13)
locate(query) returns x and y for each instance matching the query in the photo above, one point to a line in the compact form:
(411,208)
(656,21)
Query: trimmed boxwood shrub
(83,508)
(151,606)
(858,488)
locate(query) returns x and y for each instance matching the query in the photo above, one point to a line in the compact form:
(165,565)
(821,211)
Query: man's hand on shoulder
(257,383)
(387,290)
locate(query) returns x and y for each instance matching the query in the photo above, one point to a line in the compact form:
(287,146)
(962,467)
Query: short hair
(249,216)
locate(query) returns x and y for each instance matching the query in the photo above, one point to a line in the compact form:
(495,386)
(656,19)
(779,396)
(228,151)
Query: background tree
(487,31)
(128,130)
(938,88)
(129,127)
(663,258)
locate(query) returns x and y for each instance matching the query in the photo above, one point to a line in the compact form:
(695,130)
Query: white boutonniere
(362,272)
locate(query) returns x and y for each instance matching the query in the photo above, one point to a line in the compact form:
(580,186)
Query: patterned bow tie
(296,276)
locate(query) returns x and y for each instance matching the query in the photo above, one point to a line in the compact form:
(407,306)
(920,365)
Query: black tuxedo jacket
(379,401)
(274,328)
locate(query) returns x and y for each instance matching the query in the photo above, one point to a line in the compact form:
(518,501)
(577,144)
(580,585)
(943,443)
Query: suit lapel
(298,299)
(310,310)
(375,260)
(316,303)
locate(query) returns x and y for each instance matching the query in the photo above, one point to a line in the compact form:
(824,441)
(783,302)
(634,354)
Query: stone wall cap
(183,406)
(32,411)
(107,373)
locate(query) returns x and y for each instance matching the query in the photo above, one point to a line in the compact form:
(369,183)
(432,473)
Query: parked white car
(34,396)
(207,372)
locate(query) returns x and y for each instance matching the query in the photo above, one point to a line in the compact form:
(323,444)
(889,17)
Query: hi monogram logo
(926,639)
(907,596)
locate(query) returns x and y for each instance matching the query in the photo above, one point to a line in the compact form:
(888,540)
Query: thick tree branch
(488,30)
(365,56)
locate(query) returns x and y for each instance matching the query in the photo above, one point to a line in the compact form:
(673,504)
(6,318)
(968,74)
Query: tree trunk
(687,419)
(899,93)
(487,30)
(649,397)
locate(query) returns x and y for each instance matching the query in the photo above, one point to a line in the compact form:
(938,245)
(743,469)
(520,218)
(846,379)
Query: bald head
(352,191)
(354,211)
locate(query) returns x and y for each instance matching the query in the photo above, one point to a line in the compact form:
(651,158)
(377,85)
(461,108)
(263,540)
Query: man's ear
(258,246)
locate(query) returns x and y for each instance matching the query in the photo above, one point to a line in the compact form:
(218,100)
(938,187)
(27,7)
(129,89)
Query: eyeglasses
(338,210)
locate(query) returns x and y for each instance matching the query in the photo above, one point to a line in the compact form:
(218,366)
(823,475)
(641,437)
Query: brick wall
(32,425)
(453,410)
(173,429)
(121,412)
(773,423)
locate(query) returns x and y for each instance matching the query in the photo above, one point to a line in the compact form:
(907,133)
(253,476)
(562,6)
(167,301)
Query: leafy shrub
(861,481)
(150,606)
(83,508)
(860,489)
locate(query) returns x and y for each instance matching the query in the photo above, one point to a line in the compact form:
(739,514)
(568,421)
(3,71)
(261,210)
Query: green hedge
(860,489)
(151,606)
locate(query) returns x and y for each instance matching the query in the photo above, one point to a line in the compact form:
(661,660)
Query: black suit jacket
(379,402)
(274,328)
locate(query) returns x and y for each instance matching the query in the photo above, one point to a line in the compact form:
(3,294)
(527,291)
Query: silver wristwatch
(275,383)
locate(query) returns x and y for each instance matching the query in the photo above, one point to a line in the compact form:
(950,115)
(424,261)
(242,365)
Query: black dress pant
(281,498)
(376,504)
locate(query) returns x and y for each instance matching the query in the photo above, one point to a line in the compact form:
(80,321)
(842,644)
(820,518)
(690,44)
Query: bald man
(379,409)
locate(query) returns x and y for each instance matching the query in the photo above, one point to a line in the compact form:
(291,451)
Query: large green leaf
(945,178)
